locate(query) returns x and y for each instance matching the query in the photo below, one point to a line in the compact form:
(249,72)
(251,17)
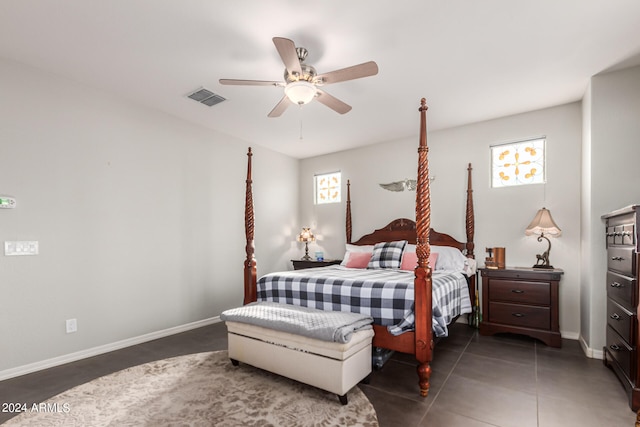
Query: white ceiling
(472,60)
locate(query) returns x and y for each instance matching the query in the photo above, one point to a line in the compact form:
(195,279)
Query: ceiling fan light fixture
(300,92)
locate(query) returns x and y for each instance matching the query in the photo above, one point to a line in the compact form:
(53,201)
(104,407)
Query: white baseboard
(569,335)
(590,352)
(90,352)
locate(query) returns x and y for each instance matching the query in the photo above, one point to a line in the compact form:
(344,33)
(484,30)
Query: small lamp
(306,236)
(543,225)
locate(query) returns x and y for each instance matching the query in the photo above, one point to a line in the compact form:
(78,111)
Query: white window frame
(329,193)
(519,163)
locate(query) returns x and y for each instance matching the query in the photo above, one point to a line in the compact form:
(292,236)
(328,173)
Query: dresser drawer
(620,319)
(621,352)
(621,259)
(622,289)
(623,234)
(520,315)
(520,291)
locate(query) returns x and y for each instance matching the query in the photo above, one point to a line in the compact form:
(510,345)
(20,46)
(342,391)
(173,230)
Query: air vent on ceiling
(206,97)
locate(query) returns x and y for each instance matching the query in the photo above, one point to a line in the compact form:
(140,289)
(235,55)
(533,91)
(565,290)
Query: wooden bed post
(470,216)
(348,222)
(250,275)
(422,281)
(470,226)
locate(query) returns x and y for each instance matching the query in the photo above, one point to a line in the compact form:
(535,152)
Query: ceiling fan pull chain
(300,107)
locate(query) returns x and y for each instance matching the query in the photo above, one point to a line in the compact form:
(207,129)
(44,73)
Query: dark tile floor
(476,381)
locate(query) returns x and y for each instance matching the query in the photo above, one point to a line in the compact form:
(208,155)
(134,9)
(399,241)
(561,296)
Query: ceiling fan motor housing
(308,74)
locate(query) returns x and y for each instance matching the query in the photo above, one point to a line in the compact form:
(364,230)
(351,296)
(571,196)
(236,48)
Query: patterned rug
(201,389)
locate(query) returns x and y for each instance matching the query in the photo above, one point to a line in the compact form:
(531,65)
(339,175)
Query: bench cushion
(336,326)
(333,350)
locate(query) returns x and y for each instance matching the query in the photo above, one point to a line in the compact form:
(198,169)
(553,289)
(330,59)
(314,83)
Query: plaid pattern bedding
(386,295)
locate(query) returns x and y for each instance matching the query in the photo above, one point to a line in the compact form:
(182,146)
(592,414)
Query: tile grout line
(449,375)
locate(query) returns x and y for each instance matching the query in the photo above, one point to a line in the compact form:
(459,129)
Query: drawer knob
(617,258)
(517,291)
(518,314)
(615,347)
(615,316)
(616,285)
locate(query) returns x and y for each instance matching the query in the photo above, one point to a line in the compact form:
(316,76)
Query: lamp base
(544,267)
(306,256)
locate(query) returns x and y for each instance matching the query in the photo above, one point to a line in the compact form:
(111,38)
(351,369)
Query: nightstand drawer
(620,319)
(521,292)
(621,289)
(520,315)
(620,351)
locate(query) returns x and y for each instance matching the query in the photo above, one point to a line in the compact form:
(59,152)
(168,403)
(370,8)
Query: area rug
(202,389)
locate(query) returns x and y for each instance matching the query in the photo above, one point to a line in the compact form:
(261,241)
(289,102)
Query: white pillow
(355,248)
(448,258)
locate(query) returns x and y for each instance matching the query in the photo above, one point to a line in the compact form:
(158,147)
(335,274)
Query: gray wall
(139,217)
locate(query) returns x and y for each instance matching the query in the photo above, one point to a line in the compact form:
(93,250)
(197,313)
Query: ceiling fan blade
(287,50)
(249,82)
(350,73)
(332,102)
(280,107)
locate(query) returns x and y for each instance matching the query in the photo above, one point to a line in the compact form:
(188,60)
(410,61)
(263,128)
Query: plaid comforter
(386,295)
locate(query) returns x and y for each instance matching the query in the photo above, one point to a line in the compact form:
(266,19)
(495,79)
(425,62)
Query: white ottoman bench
(293,342)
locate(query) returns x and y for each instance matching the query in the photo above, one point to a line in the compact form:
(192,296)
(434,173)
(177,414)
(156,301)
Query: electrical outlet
(72,326)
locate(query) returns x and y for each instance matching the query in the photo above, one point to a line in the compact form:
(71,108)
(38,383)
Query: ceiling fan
(301,81)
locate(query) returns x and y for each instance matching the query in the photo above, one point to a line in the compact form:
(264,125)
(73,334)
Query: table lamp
(306,236)
(543,226)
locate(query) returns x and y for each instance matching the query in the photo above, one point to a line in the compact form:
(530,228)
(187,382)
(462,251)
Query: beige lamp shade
(306,235)
(543,224)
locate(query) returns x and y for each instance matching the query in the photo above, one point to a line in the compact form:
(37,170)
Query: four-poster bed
(419,339)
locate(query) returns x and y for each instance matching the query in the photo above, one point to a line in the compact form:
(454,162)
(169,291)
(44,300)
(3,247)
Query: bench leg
(343,399)
(234,362)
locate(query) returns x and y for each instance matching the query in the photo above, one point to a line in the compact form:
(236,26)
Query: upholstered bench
(302,344)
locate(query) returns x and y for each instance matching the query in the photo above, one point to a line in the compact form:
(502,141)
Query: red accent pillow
(410,261)
(358,259)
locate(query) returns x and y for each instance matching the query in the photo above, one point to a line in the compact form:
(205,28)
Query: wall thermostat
(7,202)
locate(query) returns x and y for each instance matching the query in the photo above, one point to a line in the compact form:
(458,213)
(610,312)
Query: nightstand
(299,264)
(521,301)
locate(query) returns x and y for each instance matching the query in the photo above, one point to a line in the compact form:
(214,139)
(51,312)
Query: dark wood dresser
(521,301)
(299,264)
(623,332)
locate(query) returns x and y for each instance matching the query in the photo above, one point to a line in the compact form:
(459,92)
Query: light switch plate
(21,248)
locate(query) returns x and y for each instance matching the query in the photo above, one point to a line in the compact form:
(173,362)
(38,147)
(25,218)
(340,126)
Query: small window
(518,163)
(327,188)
